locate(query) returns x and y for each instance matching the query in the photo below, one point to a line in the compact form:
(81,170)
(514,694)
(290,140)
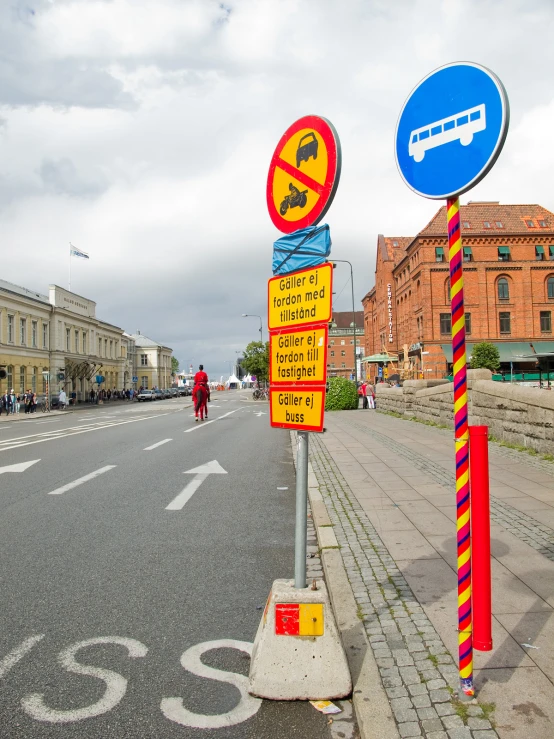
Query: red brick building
(508,289)
(340,355)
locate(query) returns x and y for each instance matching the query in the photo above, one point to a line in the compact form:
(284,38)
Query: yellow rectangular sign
(301,298)
(298,356)
(297,408)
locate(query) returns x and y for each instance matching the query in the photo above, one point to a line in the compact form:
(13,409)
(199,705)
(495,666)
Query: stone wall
(514,413)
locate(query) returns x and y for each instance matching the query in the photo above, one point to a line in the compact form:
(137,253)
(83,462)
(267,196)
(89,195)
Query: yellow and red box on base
(299,619)
(296,407)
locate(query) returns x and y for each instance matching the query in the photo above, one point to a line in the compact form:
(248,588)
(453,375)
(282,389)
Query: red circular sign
(304,174)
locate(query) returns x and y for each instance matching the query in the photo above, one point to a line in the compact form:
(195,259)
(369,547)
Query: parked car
(188,390)
(166,393)
(182,391)
(145,395)
(174,392)
(158,395)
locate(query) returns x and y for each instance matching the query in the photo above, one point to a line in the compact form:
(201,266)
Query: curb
(371,703)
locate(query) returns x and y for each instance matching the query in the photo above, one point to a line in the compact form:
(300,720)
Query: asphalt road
(108,599)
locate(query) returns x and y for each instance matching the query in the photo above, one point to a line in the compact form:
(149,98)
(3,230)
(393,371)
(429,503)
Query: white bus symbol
(461,126)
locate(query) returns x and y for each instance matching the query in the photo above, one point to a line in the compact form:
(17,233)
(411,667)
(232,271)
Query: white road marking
(20,441)
(201,473)
(81,480)
(260,413)
(159,443)
(20,467)
(13,657)
(191,660)
(116,684)
(206,423)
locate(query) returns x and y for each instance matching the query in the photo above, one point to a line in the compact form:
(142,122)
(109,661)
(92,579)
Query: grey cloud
(62,178)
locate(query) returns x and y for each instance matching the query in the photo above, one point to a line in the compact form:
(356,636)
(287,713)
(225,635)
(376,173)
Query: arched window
(22,379)
(9,370)
(503,289)
(447,290)
(550,287)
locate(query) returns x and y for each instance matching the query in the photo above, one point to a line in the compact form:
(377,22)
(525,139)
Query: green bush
(342,395)
(485,355)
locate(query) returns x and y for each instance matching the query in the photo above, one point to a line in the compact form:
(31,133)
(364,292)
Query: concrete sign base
(289,661)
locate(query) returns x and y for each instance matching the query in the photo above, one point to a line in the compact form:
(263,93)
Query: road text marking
(13,657)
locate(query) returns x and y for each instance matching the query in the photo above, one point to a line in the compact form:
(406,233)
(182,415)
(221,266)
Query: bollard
(480,537)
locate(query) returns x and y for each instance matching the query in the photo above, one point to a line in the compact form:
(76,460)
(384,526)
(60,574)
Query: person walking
(17,402)
(363,389)
(62,399)
(370,392)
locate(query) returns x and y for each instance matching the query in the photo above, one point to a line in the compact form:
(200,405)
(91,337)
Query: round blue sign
(451,130)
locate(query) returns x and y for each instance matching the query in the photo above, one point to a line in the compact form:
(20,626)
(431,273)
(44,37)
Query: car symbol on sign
(307,147)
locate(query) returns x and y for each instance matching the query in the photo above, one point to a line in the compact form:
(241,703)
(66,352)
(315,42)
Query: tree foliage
(174,365)
(342,395)
(256,360)
(485,355)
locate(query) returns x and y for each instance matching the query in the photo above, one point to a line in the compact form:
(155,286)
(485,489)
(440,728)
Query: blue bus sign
(451,130)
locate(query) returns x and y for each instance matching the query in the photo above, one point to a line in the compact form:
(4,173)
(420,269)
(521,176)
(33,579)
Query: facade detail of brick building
(508,288)
(340,354)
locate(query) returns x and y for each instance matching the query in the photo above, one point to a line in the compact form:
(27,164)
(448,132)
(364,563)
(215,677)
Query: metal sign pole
(301,536)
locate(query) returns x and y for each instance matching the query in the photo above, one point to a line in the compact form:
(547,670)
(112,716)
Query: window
(22,380)
(342,342)
(9,378)
(332,365)
(486,224)
(22,331)
(446,323)
(503,253)
(499,224)
(468,254)
(343,354)
(529,223)
(34,373)
(546,322)
(539,253)
(10,329)
(144,381)
(332,342)
(395,243)
(343,365)
(34,331)
(439,254)
(76,341)
(505,323)
(551,252)
(447,290)
(332,354)
(68,339)
(84,343)
(503,289)
(99,347)
(144,360)
(465,224)
(105,347)
(111,349)
(550,288)
(45,336)
(468,323)
(542,224)
(352,342)
(43,384)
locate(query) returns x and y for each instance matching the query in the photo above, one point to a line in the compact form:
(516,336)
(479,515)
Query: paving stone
(418,689)
(427,713)
(464,733)
(437,735)
(421,701)
(452,722)
(475,711)
(436,684)
(433,724)
(439,696)
(484,735)
(399,692)
(410,728)
(398,704)
(478,723)
(405,715)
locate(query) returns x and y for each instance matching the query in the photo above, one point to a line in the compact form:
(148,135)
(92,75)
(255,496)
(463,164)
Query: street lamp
(345,261)
(255,315)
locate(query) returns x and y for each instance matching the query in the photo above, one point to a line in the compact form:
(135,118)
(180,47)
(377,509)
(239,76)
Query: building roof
(343,319)
(143,341)
(512,217)
(23,291)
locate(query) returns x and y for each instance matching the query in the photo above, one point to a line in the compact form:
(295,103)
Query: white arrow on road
(210,468)
(21,467)
(260,413)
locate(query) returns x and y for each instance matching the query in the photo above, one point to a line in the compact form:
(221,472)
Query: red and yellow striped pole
(461,436)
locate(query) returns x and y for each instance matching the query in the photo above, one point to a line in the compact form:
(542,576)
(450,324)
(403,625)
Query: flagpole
(70,266)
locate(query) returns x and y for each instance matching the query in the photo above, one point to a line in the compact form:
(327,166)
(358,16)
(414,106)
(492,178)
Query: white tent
(233,380)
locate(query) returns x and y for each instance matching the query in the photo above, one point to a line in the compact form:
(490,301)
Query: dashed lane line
(207,423)
(81,480)
(155,446)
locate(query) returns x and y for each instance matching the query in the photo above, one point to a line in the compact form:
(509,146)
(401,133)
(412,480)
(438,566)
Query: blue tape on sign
(301,249)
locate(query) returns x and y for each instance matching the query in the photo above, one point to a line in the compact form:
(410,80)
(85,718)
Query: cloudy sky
(141,130)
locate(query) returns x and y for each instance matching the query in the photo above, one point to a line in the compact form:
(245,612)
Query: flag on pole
(74,252)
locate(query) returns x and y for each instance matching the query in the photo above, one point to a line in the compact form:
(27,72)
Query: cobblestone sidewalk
(417,671)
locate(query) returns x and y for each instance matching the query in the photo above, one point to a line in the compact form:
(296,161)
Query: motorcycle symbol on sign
(294,199)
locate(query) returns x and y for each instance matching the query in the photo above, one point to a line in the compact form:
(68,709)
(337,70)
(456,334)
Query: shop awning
(467,251)
(376,358)
(539,250)
(543,346)
(504,250)
(509,351)
(551,251)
